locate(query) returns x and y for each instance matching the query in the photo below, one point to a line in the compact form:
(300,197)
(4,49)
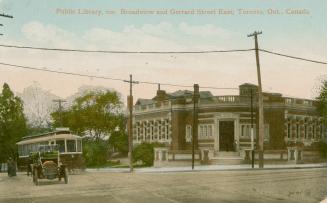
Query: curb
(173,170)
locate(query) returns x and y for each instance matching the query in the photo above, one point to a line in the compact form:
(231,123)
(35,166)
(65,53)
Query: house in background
(292,126)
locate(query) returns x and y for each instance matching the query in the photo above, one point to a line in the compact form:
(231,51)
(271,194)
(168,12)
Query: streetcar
(69,147)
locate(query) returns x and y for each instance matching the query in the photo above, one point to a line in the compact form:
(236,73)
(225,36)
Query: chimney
(161,94)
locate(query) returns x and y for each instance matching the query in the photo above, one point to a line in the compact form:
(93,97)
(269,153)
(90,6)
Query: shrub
(119,142)
(145,153)
(323,149)
(95,153)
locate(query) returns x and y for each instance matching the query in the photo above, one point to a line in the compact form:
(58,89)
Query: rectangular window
(152,132)
(71,145)
(79,146)
(201,131)
(20,150)
(188,133)
(305,131)
(155,131)
(61,145)
(25,150)
(138,133)
(34,148)
(313,131)
(288,130)
(29,148)
(297,130)
(249,130)
(246,130)
(205,131)
(288,101)
(209,130)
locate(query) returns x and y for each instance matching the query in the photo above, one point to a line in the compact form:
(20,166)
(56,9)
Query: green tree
(118,142)
(96,115)
(322,100)
(322,109)
(12,123)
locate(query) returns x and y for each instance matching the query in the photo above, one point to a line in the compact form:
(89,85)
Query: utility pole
(260,100)
(196,96)
(252,130)
(130,121)
(60,101)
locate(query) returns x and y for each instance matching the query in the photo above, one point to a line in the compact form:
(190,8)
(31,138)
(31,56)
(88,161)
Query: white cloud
(164,29)
(207,30)
(49,35)
(132,38)
(160,37)
(151,37)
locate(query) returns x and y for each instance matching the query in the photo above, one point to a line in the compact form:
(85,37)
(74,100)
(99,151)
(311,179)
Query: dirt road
(292,185)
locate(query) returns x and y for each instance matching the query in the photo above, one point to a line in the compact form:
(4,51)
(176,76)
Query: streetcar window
(61,145)
(20,150)
(79,145)
(71,146)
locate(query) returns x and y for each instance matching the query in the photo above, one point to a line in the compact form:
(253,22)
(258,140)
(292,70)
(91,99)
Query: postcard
(163,101)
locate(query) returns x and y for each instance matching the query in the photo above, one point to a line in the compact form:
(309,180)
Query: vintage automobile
(46,164)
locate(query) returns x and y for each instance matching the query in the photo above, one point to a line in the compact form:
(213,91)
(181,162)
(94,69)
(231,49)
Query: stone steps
(227,158)
(226,154)
(227,161)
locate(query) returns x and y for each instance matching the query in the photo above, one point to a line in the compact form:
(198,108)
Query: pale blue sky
(44,11)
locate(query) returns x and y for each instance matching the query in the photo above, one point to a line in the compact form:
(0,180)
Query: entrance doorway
(226,136)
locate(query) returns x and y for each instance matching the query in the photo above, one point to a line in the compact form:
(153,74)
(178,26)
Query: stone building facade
(224,122)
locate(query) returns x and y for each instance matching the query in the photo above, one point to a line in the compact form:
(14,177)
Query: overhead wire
(44,69)
(60,72)
(140,52)
(123,52)
(293,57)
(158,52)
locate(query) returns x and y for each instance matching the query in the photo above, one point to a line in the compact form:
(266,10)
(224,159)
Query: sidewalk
(209,168)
